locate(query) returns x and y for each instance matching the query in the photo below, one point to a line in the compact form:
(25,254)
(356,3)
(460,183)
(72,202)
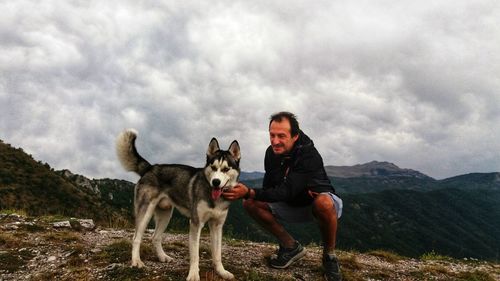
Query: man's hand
(235,193)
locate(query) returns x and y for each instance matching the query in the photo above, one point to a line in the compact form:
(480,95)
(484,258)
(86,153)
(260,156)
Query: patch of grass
(417,274)
(233,242)
(205,250)
(11,262)
(22,213)
(31,227)
(50,275)
(475,276)
(63,236)
(121,252)
(256,276)
(433,256)
(74,259)
(176,246)
(379,275)
(436,270)
(126,273)
(350,262)
(54,218)
(118,222)
(80,274)
(8,241)
(348,275)
(386,255)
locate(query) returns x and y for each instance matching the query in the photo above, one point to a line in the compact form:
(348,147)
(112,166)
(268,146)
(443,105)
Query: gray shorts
(284,212)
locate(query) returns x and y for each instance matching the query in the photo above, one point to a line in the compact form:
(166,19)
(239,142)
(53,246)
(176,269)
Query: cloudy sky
(409,82)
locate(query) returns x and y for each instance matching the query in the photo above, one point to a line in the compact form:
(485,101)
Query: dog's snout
(216,182)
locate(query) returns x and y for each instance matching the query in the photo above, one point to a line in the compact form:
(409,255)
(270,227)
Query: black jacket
(288,178)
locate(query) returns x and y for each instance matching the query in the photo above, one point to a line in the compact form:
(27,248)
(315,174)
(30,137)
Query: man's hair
(294,124)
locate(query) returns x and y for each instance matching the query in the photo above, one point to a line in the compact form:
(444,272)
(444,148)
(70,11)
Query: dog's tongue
(216,192)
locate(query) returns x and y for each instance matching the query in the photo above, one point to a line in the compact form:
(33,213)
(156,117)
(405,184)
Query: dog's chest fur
(205,212)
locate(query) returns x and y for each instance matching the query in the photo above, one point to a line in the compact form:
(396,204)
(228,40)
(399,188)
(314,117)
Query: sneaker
(332,268)
(286,256)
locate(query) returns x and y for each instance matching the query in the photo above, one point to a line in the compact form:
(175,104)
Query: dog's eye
(225,170)
(213,168)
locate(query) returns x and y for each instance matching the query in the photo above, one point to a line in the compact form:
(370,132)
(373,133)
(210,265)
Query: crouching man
(295,189)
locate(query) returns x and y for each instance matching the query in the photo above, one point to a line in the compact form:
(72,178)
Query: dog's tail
(128,155)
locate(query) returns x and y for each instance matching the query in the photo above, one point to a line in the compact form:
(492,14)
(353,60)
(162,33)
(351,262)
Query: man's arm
(294,185)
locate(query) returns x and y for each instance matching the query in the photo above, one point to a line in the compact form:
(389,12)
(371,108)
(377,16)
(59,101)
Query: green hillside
(452,222)
(32,186)
(472,181)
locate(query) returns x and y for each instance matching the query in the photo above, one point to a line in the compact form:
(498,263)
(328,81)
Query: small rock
(112,266)
(87,224)
(96,250)
(62,224)
(69,254)
(51,259)
(10,226)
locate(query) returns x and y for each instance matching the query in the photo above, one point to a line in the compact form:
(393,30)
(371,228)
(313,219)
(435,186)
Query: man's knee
(250,205)
(253,206)
(323,204)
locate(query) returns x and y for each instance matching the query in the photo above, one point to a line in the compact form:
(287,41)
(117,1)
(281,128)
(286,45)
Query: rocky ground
(51,248)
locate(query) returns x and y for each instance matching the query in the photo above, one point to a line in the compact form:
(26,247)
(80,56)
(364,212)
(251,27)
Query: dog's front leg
(216,243)
(194,251)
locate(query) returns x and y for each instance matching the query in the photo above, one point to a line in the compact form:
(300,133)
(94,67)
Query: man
(295,189)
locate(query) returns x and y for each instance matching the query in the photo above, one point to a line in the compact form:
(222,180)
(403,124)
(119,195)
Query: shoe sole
(292,260)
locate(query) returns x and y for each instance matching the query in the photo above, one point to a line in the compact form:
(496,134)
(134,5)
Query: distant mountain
(373,169)
(378,176)
(245,176)
(471,181)
(369,177)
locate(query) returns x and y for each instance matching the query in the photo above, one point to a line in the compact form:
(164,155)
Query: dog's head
(223,167)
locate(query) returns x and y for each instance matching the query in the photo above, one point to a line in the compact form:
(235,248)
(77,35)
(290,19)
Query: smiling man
(295,189)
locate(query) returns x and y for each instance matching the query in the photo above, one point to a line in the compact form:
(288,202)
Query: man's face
(281,138)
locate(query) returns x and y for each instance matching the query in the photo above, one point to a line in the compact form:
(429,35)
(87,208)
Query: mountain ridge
(372,169)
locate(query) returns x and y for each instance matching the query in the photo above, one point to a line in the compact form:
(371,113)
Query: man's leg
(262,214)
(325,213)
(290,250)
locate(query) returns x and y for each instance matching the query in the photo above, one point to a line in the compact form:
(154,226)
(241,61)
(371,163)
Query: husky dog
(195,192)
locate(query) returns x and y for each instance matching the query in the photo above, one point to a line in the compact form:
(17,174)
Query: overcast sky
(415,83)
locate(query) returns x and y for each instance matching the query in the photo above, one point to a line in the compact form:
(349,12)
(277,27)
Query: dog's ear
(234,149)
(213,147)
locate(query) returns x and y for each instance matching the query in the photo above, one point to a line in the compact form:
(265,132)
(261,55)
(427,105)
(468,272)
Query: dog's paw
(226,275)
(137,263)
(193,276)
(165,258)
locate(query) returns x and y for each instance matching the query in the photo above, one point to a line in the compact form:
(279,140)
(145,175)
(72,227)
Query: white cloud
(406,82)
